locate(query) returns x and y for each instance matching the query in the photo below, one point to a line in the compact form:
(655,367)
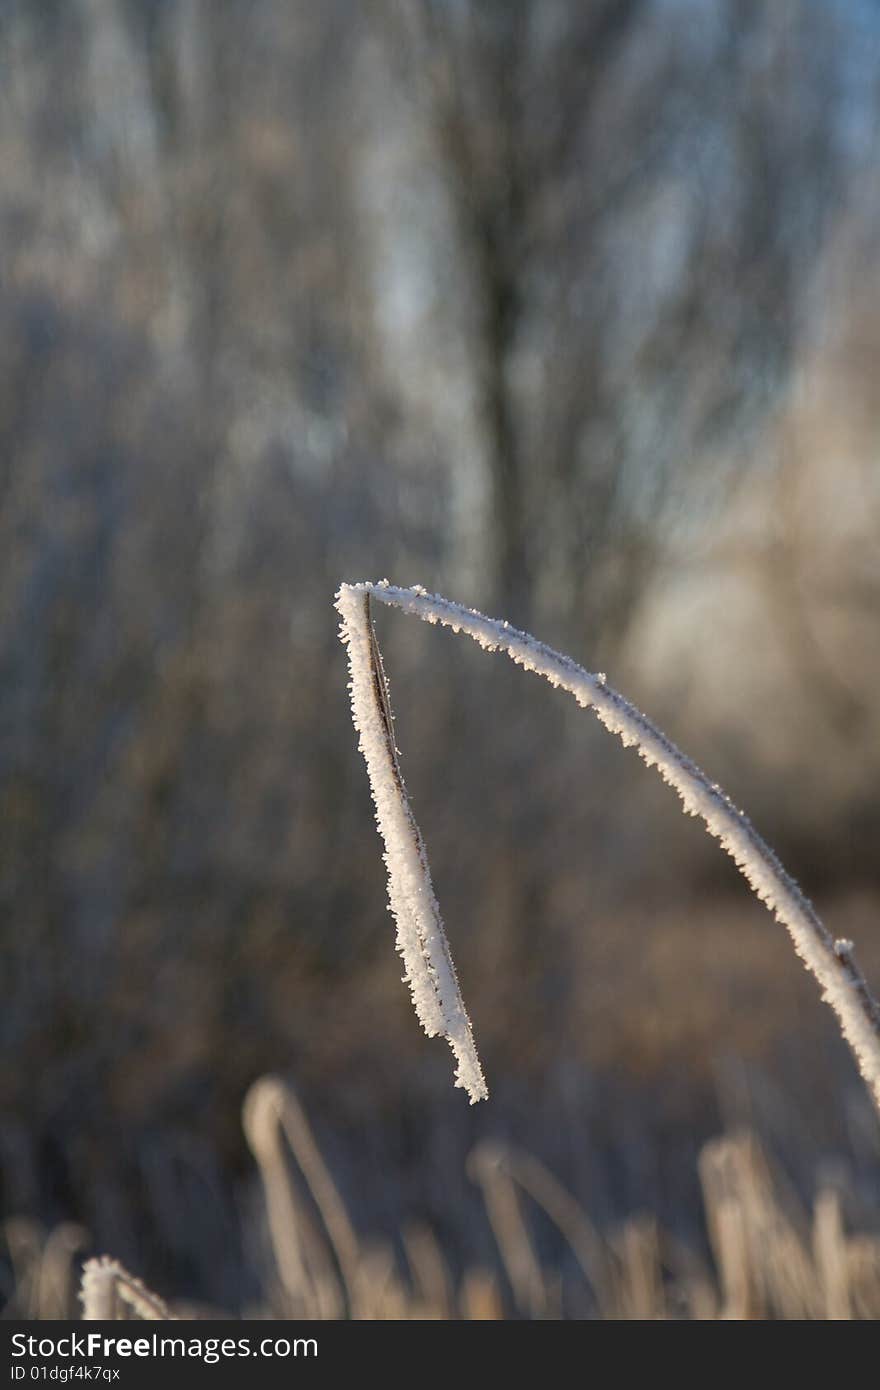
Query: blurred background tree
(566,309)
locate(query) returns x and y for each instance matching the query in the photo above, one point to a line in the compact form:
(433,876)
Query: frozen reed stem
(421,939)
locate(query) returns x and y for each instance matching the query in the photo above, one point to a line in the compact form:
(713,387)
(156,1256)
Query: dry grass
(768,1256)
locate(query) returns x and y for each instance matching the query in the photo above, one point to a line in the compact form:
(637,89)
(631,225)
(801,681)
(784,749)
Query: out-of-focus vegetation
(768,1257)
(566,309)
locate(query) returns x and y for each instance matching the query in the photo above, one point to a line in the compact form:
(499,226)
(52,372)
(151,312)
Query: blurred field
(570,311)
(767,1256)
(618,1136)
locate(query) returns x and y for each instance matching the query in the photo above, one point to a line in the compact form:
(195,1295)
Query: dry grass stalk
(768,1263)
(430,1273)
(55,1285)
(863,1276)
(831,1256)
(640,1277)
(480,1298)
(523,1268)
(758,1233)
(305,1266)
(567,1215)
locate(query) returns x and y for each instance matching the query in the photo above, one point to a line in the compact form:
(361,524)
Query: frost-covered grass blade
(421,939)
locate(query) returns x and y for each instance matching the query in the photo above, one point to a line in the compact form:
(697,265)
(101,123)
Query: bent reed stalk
(420,936)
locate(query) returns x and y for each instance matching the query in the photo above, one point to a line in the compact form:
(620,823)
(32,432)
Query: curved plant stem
(831,961)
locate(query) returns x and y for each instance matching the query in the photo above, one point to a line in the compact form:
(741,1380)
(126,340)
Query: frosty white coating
(421,939)
(832,962)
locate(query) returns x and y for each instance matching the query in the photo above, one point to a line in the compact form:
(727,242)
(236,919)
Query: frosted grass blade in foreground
(421,939)
(832,962)
(106,1284)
